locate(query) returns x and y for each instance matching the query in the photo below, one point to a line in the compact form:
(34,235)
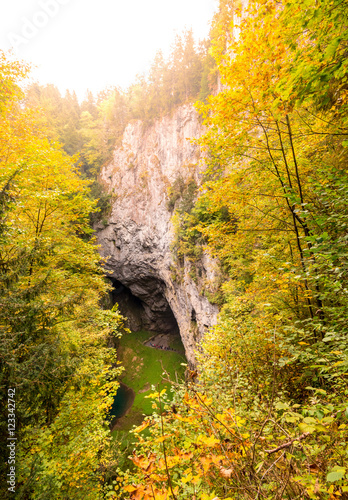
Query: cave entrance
(143,302)
(144,305)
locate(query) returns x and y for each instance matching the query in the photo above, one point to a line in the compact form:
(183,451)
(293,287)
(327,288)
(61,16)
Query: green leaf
(336,474)
(310,420)
(331,48)
(307,428)
(282,406)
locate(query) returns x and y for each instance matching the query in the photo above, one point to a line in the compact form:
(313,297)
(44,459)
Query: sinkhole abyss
(144,304)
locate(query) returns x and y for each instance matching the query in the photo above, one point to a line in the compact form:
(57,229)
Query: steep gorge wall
(138,235)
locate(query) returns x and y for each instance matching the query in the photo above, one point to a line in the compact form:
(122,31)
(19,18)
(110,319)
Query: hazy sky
(89,44)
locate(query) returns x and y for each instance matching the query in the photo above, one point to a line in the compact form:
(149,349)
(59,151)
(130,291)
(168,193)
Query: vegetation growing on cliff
(94,127)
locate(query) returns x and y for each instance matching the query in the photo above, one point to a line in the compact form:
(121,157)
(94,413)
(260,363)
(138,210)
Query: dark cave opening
(193,316)
(144,305)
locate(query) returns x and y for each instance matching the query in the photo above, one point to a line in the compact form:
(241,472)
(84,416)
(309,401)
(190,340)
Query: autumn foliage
(54,336)
(264,415)
(267,416)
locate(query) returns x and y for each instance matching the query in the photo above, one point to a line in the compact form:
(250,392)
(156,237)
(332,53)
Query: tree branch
(289,443)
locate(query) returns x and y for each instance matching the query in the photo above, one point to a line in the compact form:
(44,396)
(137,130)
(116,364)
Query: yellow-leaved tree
(54,336)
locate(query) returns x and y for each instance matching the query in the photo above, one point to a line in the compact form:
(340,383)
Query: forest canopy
(56,362)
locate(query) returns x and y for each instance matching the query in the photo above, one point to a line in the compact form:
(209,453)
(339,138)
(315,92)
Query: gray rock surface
(137,237)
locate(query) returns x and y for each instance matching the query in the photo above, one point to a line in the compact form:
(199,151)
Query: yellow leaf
(183,419)
(186,479)
(154,395)
(209,441)
(141,427)
(129,488)
(160,439)
(196,480)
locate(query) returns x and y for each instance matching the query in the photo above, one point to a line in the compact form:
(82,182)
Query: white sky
(89,44)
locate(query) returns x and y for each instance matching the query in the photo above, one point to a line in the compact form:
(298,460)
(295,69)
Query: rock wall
(138,234)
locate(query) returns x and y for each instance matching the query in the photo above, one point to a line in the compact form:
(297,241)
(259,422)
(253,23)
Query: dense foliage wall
(56,375)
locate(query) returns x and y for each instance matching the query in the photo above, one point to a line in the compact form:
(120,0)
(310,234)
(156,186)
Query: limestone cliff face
(138,235)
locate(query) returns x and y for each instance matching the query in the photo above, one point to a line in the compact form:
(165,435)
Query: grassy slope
(143,369)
